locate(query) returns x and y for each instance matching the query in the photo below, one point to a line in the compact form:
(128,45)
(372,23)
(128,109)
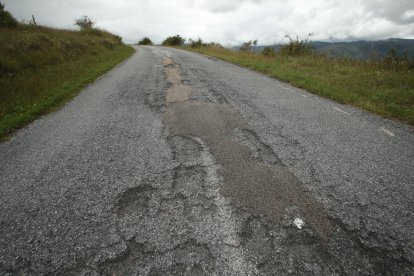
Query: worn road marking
(386,131)
(340,110)
(305,96)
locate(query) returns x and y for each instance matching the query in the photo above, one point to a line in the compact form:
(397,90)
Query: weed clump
(215,45)
(297,47)
(247,46)
(395,63)
(176,40)
(118,39)
(197,43)
(269,52)
(6,19)
(145,41)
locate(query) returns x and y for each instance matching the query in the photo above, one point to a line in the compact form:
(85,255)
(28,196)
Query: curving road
(175,163)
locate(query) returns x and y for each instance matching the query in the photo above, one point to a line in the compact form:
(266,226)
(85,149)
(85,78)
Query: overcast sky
(230,22)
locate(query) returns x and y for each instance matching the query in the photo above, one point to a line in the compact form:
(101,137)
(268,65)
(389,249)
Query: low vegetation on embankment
(384,87)
(42,68)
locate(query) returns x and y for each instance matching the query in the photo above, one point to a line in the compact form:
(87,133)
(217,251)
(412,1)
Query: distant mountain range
(361,49)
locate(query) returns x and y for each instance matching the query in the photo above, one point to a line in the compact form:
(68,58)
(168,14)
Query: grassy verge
(387,92)
(42,68)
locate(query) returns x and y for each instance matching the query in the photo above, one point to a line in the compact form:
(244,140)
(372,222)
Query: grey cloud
(222,6)
(232,21)
(401,12)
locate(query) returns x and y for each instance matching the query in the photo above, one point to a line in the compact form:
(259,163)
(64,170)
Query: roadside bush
(297,47)
(7,67)
(118,39)
(145,41)
(393,62)
(214,45)
(247,46)
(93,31)
(197,43)
(84,23)
(173,41)
(269,52)
(108,44)
(6,19)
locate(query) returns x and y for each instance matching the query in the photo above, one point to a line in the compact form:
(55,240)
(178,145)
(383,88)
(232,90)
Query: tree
(145,41)
(85,23)
(297,47)
(197,43)
(6,19)
(269,52)
(247,46)
(173,41)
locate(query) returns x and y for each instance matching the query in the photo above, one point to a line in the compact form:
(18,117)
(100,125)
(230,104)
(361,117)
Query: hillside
(366,49)
(359,49)
(41,68)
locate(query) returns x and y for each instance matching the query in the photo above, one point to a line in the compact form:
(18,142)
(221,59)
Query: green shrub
(173,41)
(197,43)
(84,23)
(393,62)
(6,19)
(269,52)
(118,39)
(7,67)
(214,45)
(297,47)
(247,46)
(108,44)
(145,41)
(92,31)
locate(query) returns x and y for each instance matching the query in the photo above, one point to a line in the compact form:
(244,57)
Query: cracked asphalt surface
(175,163)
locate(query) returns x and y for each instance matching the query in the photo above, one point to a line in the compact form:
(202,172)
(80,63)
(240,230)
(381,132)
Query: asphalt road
(174,163)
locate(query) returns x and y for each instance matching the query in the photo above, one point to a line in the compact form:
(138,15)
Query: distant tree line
(295,47)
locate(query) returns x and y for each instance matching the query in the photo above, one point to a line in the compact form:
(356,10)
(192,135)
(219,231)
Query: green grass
(42,68)
(367,85)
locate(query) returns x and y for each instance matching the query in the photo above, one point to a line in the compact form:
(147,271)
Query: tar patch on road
(258,183)
(177,92)
(253,175)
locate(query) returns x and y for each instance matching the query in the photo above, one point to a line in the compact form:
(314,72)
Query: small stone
(299,223)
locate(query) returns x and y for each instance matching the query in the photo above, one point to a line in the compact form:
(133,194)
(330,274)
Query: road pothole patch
(252,175)
(177,92)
